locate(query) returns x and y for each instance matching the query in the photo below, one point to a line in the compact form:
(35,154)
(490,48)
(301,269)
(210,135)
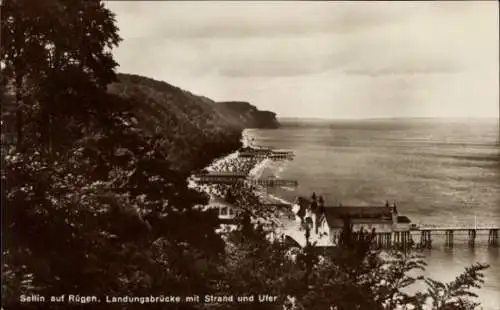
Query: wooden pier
(274,182)
(262,154)
(450,232)
(406,238)
(387,239)
(390,229)
(228,180)
(281,156)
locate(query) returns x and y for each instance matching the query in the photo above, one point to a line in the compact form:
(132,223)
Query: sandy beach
(259,168)
(253,167)
(219,163)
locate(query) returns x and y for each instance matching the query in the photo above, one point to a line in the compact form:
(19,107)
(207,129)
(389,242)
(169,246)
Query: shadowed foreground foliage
(96,200)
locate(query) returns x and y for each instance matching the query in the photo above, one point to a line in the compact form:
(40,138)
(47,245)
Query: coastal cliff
(249,115)
(194,129)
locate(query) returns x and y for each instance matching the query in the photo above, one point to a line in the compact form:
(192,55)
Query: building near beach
(402,223)
(331,222)
(226,212)
(327,222)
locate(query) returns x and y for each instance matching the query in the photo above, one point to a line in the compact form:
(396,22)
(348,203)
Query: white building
(331,222)
(228,212)
(327,223)
(225,211)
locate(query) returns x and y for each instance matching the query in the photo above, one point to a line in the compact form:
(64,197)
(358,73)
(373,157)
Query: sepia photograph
(247,155)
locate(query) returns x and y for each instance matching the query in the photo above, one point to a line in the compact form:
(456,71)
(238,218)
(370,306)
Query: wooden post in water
(493,237)
(425,238)
(449,237)
(428,239)
(472,237)
(406,239)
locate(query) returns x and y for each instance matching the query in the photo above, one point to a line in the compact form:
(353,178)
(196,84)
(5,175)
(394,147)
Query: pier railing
(273,182)
(284,155)
(463,227)
(425,240)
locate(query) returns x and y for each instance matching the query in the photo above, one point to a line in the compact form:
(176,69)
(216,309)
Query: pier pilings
(472,237)
(425,238)
(493,237)
(402,238)
(274,182)
(449,238)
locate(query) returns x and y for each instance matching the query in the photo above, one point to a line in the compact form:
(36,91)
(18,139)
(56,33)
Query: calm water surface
(439,172)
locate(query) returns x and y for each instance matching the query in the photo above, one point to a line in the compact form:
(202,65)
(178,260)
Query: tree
(255,265)
(356,277)
(94,208)
(56,58)
(124,232)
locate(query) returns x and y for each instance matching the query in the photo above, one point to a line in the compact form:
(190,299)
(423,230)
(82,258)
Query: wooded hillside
(194,129)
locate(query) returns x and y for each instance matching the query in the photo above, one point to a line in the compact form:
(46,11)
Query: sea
(437,171)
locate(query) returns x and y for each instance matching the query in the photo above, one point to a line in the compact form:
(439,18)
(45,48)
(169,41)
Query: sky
(321,59)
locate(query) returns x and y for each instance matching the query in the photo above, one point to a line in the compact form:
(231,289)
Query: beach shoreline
(258,169)
(253,167)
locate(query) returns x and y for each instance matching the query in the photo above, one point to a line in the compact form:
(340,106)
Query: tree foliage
(56,59)
(92,204)
(195,129)
(351,276)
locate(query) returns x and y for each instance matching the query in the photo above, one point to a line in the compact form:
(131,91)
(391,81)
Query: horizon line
(388,118)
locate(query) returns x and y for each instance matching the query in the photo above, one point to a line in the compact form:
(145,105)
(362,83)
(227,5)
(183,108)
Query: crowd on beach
(231,163)
(234,164)
(252,167)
